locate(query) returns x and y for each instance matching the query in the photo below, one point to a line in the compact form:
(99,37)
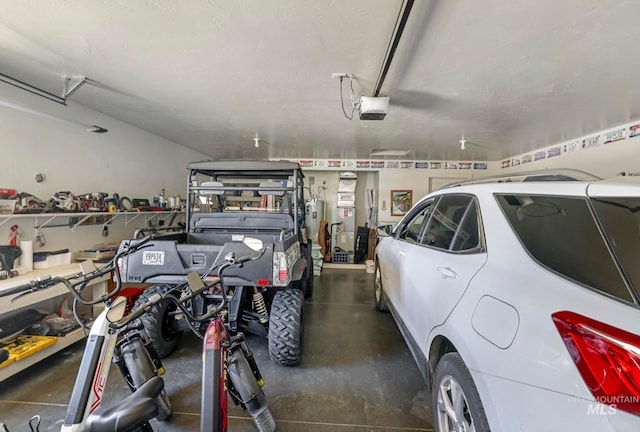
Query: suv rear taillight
(607,357)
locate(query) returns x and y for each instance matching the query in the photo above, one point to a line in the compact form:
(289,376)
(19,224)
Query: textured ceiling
(512,76)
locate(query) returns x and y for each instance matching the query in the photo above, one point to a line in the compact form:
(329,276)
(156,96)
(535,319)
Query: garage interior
(119,97)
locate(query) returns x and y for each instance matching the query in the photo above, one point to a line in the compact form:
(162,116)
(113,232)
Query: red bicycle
(229,368)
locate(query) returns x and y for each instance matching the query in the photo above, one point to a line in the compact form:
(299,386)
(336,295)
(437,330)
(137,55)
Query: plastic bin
(370,266)
(340,257)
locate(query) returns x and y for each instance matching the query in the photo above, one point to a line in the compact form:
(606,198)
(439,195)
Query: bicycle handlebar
(79,279)
(229,261)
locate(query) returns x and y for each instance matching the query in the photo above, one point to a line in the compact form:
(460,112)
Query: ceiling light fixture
(464,144)
(389,152)
(97,129)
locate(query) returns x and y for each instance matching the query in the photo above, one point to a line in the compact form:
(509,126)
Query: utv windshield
(241,194)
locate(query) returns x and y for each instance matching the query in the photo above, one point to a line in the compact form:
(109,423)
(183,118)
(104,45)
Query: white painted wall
(126,160)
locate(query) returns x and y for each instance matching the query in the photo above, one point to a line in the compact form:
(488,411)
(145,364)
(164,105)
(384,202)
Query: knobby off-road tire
(306,283)
(286,327)
(158,322)
(455,402)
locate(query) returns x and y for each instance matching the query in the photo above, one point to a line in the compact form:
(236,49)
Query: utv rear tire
(306,283)
(159,321)
(286,327)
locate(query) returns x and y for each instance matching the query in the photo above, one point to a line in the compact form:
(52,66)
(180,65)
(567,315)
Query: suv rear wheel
(455,400)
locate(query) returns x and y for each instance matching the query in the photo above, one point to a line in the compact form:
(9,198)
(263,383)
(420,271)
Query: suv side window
(467,237)
(411,231)
(561,234)
(453,224)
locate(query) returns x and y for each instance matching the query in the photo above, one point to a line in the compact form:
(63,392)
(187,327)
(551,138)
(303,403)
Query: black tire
(286,328)
(306,283)
(164,406)
(141,369)
(246,388)
(378,292)
(159,321)
(451,373)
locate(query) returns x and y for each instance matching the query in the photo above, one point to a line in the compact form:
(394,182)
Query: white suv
(520,301)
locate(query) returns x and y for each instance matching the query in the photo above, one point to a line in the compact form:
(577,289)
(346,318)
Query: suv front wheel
(378,292)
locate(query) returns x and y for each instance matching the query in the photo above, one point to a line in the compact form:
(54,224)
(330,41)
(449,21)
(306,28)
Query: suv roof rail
(559,174)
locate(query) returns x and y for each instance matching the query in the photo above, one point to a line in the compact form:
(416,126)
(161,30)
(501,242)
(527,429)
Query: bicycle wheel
(246,390)
(140,368)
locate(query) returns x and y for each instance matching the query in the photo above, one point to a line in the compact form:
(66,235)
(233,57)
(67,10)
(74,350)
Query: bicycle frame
(214,370)
(228,366)
(102,343)
(91,380)
(137,364)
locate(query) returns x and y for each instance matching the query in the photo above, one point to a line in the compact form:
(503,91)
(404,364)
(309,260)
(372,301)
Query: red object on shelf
(8,192)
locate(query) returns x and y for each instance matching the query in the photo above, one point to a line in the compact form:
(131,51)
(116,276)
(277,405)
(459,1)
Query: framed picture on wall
(401,202)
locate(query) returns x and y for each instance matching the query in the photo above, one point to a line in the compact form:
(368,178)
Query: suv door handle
(447,272)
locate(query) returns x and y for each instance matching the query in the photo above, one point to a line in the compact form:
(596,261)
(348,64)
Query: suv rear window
(561,234)
(620,219)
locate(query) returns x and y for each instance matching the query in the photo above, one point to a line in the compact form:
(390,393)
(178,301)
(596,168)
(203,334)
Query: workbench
(45,300)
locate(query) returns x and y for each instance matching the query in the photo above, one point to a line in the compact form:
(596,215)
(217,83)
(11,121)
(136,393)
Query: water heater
(315,214)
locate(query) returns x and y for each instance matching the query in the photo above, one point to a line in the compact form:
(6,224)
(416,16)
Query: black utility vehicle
(229,200)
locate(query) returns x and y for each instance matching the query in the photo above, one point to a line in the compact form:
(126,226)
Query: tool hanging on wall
(14,235)
(39,237)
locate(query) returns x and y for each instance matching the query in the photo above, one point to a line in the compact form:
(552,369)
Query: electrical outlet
(338,75)
(312,180)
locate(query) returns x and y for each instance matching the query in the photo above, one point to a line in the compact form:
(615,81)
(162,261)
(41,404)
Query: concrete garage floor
(356,374)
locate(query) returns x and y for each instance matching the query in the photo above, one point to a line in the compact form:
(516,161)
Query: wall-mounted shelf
(74,220)
(40,300)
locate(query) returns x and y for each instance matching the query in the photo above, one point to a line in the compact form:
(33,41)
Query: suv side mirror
(384,230)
